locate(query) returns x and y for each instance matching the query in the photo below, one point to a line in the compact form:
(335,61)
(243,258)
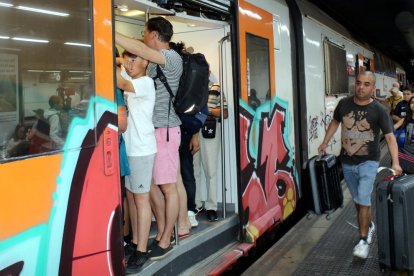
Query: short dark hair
(162,26)
(128,54)
(54,100)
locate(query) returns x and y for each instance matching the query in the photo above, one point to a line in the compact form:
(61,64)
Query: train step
(203,242)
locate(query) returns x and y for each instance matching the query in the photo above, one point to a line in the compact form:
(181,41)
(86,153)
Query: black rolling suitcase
(395,220)
(325,184)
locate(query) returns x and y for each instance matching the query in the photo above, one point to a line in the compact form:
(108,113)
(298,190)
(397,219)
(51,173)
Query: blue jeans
(360,180)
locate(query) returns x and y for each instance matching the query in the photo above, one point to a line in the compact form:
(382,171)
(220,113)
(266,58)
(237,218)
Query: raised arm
(139,48)
(122,83)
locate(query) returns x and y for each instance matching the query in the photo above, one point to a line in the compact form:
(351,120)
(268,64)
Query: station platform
(317,246)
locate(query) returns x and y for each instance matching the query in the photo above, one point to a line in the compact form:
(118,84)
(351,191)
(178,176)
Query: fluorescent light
(42,11)
(123,8)
(80,71)
(35,71)
(77,44)
(53,71)
(7,5)
(4,37)
(30,40)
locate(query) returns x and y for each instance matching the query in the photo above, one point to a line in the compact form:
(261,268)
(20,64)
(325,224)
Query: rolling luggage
(325,184)
(395,220)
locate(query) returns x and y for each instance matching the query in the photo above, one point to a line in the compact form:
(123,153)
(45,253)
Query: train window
(46,75)
(336,77)
(258,70)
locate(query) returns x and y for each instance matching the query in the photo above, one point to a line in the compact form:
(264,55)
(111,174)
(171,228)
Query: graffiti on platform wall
(268,174)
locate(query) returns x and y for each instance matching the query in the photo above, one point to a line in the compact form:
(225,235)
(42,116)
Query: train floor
(317,246)
(205,239)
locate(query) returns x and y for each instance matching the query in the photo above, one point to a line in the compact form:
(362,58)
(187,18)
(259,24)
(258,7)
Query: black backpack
(190,102)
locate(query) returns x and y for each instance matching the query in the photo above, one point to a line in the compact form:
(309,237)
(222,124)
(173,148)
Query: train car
(282,66)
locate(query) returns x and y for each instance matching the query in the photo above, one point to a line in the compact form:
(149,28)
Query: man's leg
(158,207)
(187,170)
(133,216)
(364,220)
(142,203)
(183,223)
(171,212)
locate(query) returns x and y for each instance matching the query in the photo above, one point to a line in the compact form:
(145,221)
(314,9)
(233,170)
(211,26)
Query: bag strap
(160,75)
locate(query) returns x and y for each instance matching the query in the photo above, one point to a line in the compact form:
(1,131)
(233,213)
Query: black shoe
(136,262)
(129,249)
(151,245)
(159,253)
(212,215)
(199,210)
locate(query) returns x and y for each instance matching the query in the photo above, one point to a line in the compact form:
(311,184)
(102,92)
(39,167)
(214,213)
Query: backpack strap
(160,75)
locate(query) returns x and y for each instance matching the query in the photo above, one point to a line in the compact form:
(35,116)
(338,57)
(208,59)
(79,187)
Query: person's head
(137,65)
(19,132)
(395,92)
(396,84)
(179,47)
(409,111)
(56,102)
(365,85)
(157,30)
(39,113)
(407,94)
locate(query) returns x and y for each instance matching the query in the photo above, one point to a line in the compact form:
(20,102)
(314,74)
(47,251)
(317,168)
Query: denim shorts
(360,180)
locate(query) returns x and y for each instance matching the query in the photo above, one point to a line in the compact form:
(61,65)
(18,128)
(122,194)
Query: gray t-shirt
(172,70)
(361,125)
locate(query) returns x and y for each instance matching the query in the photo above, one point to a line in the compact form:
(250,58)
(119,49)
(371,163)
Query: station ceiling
(386,24)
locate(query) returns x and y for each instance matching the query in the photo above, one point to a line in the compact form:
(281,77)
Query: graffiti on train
(269,178)
(318,124)
(79,214)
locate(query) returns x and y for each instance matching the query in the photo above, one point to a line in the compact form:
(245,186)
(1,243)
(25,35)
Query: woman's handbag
(209,128)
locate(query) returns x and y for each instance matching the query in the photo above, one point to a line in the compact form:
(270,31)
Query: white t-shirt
(139,136)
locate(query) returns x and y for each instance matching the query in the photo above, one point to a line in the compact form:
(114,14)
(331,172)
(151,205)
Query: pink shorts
(167,158)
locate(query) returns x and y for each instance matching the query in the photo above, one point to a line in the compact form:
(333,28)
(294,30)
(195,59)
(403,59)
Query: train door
(59,187)
(205,31)
(268,189)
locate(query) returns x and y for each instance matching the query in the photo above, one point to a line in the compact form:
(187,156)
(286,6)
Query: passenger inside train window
(18,144)
(53,116)
(254,101)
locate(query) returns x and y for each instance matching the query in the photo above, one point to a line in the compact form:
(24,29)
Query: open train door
(267,192)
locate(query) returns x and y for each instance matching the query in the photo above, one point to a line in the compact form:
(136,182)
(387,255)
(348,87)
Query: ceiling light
(123,8)
(35,71)
(2,4)
(42,11)
(30,40)
(4,37)
(77,44)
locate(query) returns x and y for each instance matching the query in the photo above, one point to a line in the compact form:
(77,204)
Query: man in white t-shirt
(141,147)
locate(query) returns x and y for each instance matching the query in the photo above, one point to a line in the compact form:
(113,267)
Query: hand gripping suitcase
(395,220)
(325,184)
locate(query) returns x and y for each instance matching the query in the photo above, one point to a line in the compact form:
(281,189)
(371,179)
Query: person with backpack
(155,48)
(52,116)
